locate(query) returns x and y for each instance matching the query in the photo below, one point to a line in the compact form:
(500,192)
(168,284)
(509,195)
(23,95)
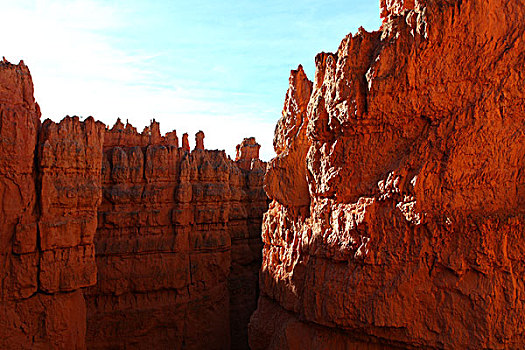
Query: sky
(217,66)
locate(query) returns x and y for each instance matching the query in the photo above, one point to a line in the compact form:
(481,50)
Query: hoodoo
(199,140)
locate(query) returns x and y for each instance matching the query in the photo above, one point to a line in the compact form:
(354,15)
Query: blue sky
(218,66)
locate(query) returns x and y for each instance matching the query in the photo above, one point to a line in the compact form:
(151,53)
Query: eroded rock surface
(410,232)
(50,190)
(248,153)
(178,248)
(111,238)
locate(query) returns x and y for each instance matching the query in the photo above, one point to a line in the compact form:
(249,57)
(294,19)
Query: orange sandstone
(398,213)
(111,238)
(199,140)
(185,142)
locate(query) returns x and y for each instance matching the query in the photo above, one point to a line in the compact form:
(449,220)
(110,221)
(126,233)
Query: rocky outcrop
(247,153)
(185,142)
(121,135)
(19,123)
(177,248)
(69,158)
(199,140)
(112,238)
(291,146)
(50,186)
(402,220)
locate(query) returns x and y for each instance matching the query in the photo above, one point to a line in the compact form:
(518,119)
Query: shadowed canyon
(393,215)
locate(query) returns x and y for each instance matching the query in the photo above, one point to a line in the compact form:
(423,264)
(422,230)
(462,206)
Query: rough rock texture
(245,232)
(163,245)
(401,218)
(185,142)
(70,159)
(199,140)
(50,189)
(247,151)
(178,247)
(291,146)
(19,123)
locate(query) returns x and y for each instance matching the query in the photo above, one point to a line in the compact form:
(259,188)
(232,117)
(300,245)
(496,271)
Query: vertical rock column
(204,198)
(19,122)
(69,170)
(47,222)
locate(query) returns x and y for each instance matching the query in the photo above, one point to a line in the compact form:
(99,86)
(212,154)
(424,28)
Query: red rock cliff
(402,219)
(178,246)
(119,239)
(50,188)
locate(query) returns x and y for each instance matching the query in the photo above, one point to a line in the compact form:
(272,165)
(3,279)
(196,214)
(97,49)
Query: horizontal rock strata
(178,247)
(112,238)
(50,190)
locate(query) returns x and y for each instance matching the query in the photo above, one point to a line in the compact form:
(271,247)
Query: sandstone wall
(402,220)
(119,239)
(177,246)
(50,189)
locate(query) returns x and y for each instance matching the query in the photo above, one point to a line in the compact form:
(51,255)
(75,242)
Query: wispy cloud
(77,69)
(217,66)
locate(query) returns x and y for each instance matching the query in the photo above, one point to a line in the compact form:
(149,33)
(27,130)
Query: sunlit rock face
(400,222)
(115,239)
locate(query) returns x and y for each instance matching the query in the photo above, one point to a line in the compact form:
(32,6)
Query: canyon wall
(398,190)
(50,190)
(112,238)
(178,245)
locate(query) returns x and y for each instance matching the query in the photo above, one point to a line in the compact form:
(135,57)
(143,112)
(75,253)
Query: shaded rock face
(411,231)
(112,238)
(199,140)
(178,249)
(50,190)
(69,158)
